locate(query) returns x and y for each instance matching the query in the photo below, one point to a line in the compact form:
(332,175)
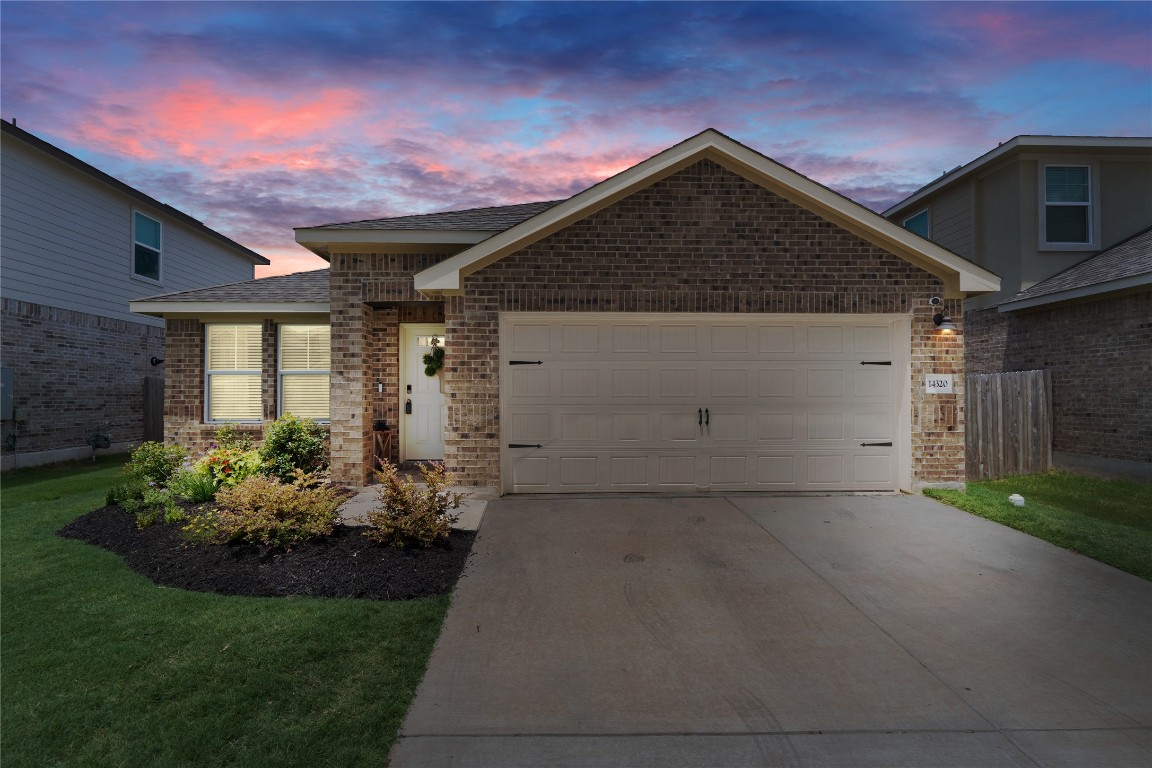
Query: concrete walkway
(835,631)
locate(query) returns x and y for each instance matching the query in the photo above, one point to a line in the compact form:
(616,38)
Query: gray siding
(67,241)
(951,217)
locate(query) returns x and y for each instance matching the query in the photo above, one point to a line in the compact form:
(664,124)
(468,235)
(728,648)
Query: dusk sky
(259,117)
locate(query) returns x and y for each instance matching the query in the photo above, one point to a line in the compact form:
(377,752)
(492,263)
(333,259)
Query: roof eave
(1084,292)
(320,240)
(916,199)
(166,308)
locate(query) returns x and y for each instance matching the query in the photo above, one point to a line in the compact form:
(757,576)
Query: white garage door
(671,402)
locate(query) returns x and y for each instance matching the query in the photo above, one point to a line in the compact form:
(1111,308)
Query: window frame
(1093,218)
(927,223)
(136,243)
(209,372)
(281,370)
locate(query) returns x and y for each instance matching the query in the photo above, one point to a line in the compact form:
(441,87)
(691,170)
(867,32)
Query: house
(705,320)
(1063,221)
(78,246)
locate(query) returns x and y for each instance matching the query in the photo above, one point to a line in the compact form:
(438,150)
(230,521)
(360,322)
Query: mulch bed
(345,565)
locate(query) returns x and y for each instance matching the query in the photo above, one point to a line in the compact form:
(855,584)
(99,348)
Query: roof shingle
(494,219)
(1131,258)
(301,287)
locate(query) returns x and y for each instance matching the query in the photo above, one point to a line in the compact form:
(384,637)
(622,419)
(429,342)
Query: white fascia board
(960,275)
(1087,291)
(162,308)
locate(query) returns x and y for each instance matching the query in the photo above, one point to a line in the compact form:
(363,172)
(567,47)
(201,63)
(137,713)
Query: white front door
(421,402)
(638,402)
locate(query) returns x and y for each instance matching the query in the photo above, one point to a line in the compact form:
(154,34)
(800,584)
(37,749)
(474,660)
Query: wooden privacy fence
(1008,425)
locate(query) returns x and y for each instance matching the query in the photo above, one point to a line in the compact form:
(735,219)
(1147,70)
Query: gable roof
(459,228)
(9,129)
(1123,267)
(1060,144)
(298,292)
(960,276)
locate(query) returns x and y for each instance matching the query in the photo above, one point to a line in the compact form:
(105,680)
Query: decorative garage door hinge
(525,445)
(525,362)
(871,445)
(876,362)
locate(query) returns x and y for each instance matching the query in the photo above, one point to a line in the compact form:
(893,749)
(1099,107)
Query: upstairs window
(233,367)
(918,223)
(146,237)
(1067,215)
(305,360)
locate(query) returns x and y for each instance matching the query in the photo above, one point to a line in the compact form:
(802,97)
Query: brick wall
(184,386)
(1100,356)
(74,372)
(701,240)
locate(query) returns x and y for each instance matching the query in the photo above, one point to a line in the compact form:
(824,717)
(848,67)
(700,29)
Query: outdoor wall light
(943,322)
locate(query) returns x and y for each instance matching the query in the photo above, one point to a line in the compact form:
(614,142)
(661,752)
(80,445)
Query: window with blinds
(232,368)
(305,361)
(1067,205)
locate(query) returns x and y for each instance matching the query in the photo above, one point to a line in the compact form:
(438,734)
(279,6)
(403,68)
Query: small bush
(290,444)
(155,463)
(413,515)
(155,502)
(127,491)
(232,436)
(202,526)
(230,466)
(263,510)
(195,486)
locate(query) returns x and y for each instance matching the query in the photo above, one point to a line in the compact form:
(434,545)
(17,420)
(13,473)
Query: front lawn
(102,667)
(1107,520)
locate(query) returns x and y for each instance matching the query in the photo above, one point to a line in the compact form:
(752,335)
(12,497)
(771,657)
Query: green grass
(1107,520)
(102,667)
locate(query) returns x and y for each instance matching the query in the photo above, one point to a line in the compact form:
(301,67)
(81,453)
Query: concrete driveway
(752,631)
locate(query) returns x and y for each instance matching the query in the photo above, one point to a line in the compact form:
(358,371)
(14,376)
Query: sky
(257,117)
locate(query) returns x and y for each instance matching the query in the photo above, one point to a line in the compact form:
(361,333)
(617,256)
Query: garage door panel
(616,402)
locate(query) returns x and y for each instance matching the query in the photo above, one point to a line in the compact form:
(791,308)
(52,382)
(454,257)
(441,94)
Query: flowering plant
(230,466)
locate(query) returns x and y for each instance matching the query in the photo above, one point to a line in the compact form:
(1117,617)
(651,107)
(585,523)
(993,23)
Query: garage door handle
(872,445)
(707,417)
(525,445)
(525,362)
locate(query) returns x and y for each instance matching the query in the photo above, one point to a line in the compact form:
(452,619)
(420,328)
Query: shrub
(292,443)
(230,466)
(414,515)
(127,491)
(195,486)
(155,463)
(154,503)
(263,510)
(232,436)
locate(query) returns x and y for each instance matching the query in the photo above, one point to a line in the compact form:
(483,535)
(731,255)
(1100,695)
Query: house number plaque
(938,383)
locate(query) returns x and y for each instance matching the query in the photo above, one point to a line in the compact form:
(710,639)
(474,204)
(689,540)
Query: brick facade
(1100,356)
(184,422)
(73,372)
(701,240)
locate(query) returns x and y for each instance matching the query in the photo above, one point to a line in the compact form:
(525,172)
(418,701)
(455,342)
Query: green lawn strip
(1107,520)
(103,667)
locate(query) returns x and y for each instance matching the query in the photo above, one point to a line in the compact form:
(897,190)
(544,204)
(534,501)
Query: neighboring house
(78,246)
(705,320)
(1063,221)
